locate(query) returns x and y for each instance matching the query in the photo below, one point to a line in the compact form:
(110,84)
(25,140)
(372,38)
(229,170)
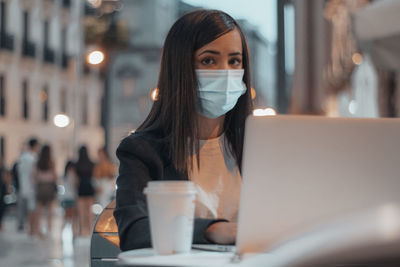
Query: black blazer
(144,157)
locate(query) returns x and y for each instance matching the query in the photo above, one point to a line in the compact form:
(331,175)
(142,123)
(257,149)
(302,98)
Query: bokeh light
(264,112)
(154,94)
(95,57)
(61,120)
(357,58)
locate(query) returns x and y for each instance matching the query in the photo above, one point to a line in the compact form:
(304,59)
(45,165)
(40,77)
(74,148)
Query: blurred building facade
(263,61)
(133,72)
(39,44)
(335,75)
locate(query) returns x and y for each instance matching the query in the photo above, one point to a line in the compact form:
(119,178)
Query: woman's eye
(235,61)
(207,61)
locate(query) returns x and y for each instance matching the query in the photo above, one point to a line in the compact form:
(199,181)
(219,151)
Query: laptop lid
(300,172)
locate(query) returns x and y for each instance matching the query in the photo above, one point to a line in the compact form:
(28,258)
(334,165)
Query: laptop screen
(301,172)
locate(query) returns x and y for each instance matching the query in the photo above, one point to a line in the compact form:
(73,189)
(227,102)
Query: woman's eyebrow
(210,51)
(218,53)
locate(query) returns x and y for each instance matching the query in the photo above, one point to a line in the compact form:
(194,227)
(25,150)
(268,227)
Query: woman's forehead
(230,42)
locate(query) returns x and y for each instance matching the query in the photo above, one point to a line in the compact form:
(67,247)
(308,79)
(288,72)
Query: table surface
(147,257)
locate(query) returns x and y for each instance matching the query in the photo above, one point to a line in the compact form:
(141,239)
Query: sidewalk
(18,249)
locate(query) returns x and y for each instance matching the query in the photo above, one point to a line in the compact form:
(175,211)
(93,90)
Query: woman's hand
(222,232)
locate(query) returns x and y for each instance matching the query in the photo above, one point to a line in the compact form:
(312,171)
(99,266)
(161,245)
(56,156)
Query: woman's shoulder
(143,144)
(139,139)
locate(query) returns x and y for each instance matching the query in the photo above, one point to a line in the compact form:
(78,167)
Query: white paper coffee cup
(171,206)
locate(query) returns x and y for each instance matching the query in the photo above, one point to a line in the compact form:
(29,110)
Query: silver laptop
(301,172)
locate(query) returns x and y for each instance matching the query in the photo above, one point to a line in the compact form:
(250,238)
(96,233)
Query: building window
(48,54)
(2,147)
(2,17)
(6,39)
(28,48)
(25,100)
(64,56)
(66,3)
(85,109)
(46,34)
(63,101)
(2,97)
(25,32)
(63,40)
(45,104)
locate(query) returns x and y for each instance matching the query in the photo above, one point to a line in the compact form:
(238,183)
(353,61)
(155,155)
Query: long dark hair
(45,161)
(174,114)
(68,165)
(84,163)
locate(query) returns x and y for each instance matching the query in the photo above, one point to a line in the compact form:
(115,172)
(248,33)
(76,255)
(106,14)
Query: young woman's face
(224,52)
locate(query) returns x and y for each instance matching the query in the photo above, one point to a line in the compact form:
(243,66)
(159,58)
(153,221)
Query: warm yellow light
(253,93)
(61,120)
(154,94)
(264,112)
(357,58)
(95,3)
(95,57)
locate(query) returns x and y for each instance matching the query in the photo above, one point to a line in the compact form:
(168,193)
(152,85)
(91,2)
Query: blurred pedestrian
(104,174)
(68,201)
(84,170)
(4,183)
(14,177)
(26,198)
(46,187)
(15,180)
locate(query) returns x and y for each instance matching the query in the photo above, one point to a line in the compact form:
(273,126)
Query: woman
(194,131)
(104,174)
(46,186)
(69,198)
(84,170)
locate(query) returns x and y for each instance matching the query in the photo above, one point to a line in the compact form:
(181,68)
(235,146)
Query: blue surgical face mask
(218,91)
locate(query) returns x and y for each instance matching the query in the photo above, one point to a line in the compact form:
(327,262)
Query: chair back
(104,244)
